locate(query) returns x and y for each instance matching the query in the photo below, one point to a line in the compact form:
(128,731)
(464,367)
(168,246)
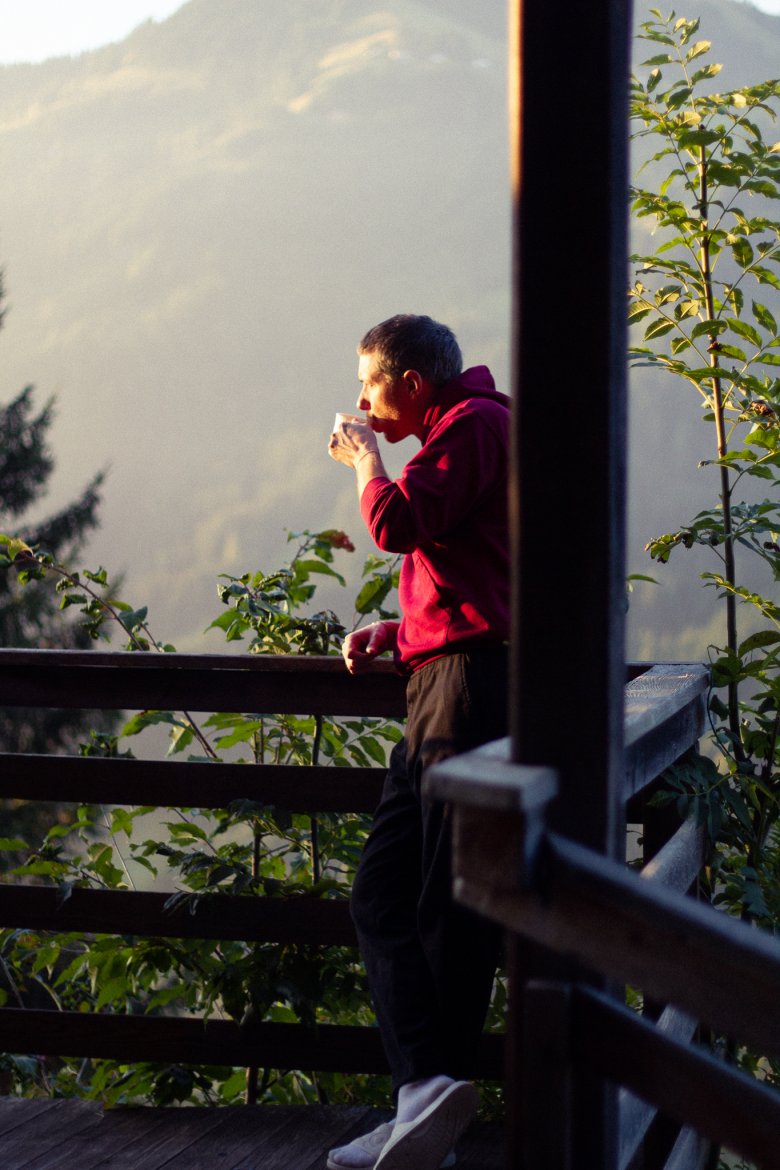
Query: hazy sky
(32,30)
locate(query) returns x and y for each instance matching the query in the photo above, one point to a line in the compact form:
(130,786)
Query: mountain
(202,222)
(198,224)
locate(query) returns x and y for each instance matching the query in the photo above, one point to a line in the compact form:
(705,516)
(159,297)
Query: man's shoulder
(492,409)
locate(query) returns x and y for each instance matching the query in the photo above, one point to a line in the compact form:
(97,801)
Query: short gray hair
(409,342)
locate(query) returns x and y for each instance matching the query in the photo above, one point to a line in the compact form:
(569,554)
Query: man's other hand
(362,646)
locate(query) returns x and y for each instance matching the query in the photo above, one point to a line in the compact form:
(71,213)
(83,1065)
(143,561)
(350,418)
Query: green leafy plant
(697,296)
(705,301)
(245,850)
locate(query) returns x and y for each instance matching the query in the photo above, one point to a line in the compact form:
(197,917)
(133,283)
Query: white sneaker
(373,1143)
(423,1143)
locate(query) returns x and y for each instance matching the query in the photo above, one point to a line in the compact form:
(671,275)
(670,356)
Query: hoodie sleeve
(462,461)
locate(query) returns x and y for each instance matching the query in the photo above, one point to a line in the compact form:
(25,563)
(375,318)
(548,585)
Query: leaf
(708,328)
(242,733)
(764,318)
(743,329)
(698,50)
(111,991)
(143,719)
(653,80)
(711,70)
(759,641)
(131,619)
(373,593)
(374,750)
(224,621)
(741,251)
(187,830)
(182,736)
(658,329)
(99,577)
(320,567)
(698,138)
(766,276)
(731,351)
(637,313)
(15,547)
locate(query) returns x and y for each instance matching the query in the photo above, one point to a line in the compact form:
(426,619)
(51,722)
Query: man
(430,963)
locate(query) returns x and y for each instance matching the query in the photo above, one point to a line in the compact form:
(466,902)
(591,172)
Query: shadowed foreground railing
(633,928)
(501,849)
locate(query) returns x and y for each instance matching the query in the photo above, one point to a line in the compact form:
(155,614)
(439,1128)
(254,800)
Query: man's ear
(416,385)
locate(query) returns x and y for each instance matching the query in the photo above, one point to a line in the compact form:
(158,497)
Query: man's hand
(362,646)
(351,441)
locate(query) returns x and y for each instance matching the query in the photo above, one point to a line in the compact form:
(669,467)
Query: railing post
(569,171)
(546,1076)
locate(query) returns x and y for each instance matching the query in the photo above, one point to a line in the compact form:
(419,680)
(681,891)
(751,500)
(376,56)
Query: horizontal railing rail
(171,784)
(300,918)
(129,1038)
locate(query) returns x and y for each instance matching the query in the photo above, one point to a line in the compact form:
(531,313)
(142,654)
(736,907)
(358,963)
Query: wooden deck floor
(77,1135)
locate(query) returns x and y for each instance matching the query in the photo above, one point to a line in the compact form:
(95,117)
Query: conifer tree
(30,616)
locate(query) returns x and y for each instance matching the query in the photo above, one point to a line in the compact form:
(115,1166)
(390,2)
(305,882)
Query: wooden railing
(692,964)
(282,685)
(639,929)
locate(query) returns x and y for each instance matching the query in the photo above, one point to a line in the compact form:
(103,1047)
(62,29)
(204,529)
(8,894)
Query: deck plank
(78,1135)
(273,1137)
(34,1136)
(128,1139)
(16,1111)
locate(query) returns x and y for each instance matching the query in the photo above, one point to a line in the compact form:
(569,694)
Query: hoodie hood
(475,382)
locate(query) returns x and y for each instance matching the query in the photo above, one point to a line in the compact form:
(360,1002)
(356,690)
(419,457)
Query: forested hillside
(197,224)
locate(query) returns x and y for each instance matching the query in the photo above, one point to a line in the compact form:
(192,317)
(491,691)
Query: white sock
(353,1157)
(416,1096)
(362,1153)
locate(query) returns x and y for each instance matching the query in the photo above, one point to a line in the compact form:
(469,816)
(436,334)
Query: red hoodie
(448,513)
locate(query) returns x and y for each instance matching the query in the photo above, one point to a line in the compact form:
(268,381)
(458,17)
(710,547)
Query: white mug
(344,418)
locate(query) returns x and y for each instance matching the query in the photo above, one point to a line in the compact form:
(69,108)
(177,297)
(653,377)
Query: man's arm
(462,463)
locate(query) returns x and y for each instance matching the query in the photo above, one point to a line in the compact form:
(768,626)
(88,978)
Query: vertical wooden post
(547,1011)
(569,93)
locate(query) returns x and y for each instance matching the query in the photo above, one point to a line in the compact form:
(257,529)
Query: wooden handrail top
(283,684)
(485,778)
(151,660)
(660,694)
(665,711)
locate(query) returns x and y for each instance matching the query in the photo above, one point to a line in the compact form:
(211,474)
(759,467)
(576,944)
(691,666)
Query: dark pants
(430,963)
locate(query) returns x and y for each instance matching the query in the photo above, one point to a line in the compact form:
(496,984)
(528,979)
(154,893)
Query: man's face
(391,410)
